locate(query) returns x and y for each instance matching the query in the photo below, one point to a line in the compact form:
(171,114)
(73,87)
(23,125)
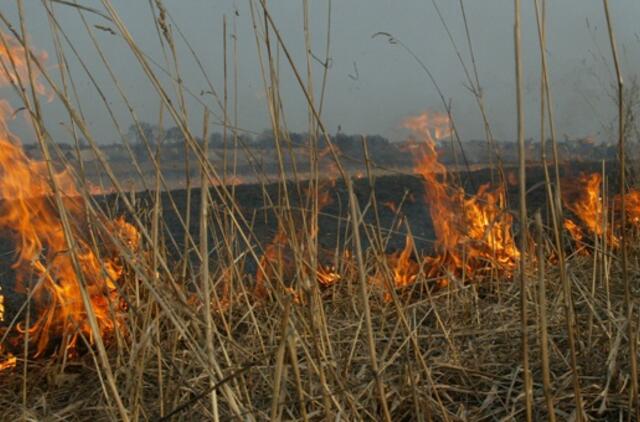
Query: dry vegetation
(137,333)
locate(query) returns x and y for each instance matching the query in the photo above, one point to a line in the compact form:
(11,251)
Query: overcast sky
(371,84)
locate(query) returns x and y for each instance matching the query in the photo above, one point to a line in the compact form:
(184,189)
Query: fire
(278,260)
(588,205)
(404,269)
(28,216)
(14,60)
(327,275)
(43,263)
(272,262)
(10,362)
(473,234)
(574,230)
(584,200)
(632,204)
(1,305)
(97,190)
(391,205)
(431,126)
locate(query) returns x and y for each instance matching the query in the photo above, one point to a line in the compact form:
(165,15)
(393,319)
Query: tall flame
(43,263)
(472,233)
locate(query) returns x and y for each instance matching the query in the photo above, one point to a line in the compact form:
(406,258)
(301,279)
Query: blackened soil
(257,207)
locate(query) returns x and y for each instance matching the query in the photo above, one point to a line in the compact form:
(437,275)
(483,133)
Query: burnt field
(400,203)
(400,207)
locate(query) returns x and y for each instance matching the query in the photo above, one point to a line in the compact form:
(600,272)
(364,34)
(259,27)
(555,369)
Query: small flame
(585,200)
(327,275)
(405,269)
(277,262)
(392,206)
(271,263)
(632,205)
(278,258)
(574,230)
(9,362)
(97,190)
(1,306)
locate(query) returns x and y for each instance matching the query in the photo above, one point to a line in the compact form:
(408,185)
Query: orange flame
(271,263)
(430,126)
(10,362)
(43,260)
(584,199)
(1,305)
(404,269)
(473,233)
(327,275)
(574,230)
(391,205)
(278,257)
(632,205)
(14,59)
(278,262)
(97,190)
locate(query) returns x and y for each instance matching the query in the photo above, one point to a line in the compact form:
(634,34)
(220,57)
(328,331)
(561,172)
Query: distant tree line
(350,146)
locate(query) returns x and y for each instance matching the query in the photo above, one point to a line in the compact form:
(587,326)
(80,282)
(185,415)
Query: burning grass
(294,345)
(118,327)
(438,349)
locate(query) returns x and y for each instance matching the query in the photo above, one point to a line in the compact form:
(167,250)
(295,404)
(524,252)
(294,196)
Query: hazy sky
(388,83)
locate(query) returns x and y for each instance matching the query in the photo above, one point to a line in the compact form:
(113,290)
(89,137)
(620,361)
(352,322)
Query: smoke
(371,84)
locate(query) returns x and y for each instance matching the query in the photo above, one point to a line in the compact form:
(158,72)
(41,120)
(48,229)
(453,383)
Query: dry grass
(467,336)
(200,344)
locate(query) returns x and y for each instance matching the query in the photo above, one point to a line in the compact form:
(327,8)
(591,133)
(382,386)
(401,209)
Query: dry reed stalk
(543,324)
(364,297)
(152,155)
(631,334)
(276,407)
(204,253)
(476,89)
(523,217)
(554,197)
(84,129)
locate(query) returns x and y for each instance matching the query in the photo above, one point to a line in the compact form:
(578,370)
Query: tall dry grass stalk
(631,332)
(522,199)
